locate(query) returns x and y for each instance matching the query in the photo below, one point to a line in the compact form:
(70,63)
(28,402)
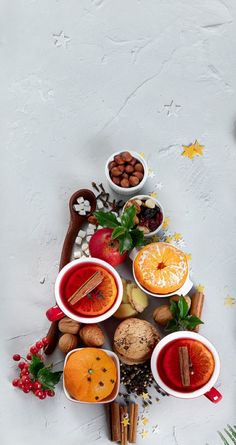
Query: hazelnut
(115,171)
(138,167)
(111,165)
(136,220)
(126,156)
(133,161)
(119,160)
(125,175)
(121,167)
(93,220)
(68,326)
(124,183)
(143,229)
(129,168)
(67,342)
(133,202)
(116,180)
(139,175)
(162,314)
(133,180)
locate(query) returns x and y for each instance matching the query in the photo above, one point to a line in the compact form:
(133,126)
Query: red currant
(20,384)
(21,365)
(36,385)
(26,389)
(45,341)
(38,393)
(25,379)
(33,350)
(29,356)
(39,344)
(16,357)
(50,393)
(24,372)
(42,395)
(15,382)
(30,386)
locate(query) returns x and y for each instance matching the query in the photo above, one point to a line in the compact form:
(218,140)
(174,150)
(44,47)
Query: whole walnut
(68,326)
(92,335)
(67,342)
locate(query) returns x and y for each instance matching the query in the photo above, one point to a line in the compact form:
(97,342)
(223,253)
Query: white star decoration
(159,186)
(172,109)
(61,39)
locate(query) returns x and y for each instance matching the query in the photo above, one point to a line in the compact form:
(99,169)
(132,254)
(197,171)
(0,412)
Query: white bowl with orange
(91,375)
(161,270)
(96,304)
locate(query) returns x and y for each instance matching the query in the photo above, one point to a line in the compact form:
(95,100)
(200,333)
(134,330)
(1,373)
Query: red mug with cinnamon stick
(88,290)
(186,365)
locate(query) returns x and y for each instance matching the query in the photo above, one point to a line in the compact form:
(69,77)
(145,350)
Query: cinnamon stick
(196,307)
(115,422)
(184,365)
(133,419)
(123,415)
(86,287)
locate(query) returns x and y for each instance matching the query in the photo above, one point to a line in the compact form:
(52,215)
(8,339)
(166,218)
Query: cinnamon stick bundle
(184,365)
(124,429)
(133,419)
(196,307)
(115,422)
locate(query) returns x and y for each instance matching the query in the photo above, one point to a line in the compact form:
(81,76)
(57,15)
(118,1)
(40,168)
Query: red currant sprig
(26,382)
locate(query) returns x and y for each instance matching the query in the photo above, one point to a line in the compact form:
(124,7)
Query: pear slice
(138,299)
(125,296)
(125,311)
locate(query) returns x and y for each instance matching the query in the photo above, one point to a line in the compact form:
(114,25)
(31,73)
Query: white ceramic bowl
(80,318)
(131,190)
(149,235)
(185,334)
(115,391)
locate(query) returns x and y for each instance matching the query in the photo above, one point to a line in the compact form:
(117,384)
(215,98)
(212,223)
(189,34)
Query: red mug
(208,389)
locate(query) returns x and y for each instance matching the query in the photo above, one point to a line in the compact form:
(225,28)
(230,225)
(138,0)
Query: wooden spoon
(76,222)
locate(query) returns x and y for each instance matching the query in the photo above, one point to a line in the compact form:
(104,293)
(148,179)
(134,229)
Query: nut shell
(111,165)
(162,314)
(116,180)
(133,181)
(68,326)
(115,171)
(124,183)
(129,168)
(138,174)
(126,156)
(92,335)
(139,167)
(119,159)
(67,343)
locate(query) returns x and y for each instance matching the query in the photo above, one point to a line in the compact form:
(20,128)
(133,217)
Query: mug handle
(54,313)
(185,288)
(213,395)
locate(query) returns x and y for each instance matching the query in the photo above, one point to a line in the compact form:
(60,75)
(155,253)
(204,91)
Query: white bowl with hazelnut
(149,214)
(126,172)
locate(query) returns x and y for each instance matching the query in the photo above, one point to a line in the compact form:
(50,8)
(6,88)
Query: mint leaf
(137,237)
(183,307)
(48,379)
(118,231)
(174,309)
(125,242)
(193,321)
(35,365)
(172,326)
(106,219)
(127,219)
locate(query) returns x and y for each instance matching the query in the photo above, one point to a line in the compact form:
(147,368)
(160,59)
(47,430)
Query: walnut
(67,343)
(68,326)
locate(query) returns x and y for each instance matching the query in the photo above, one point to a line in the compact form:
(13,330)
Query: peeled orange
(161,268)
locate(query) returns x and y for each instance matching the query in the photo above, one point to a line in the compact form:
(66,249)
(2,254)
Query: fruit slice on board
(100,299)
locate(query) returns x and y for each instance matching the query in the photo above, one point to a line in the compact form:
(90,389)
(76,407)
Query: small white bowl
(204,390)
(115,391)
(130,190)
(141,197)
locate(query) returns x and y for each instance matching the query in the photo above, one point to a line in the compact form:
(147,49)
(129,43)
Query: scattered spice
(136,379)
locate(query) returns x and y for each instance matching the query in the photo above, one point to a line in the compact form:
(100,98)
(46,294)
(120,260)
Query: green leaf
(137,237)
(118,231)
(172,326)
(183,307)
(125,242)
(35,365)
(48,378)
(127,219)
(174,309)
(193,321)
(106,219)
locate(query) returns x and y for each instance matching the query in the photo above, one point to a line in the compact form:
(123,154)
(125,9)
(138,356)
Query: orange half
(161,268)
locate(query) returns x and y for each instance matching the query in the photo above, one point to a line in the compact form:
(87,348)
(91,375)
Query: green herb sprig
(181,321)
(44,374)
(123,229)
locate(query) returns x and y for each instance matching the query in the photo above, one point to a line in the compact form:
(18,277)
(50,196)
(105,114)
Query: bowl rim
(128,190)
(185,334)
(80,318)
(115,358)
(150,234)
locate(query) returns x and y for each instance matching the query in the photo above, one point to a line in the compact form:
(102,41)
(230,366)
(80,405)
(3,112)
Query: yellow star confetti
(229,301)
(145,396)
(166,223)
(168,239)
(188,256)
(155,239)
(142,154)
(125,421)
(177,236)
(145,421)
(192,150)
(200,288)
(153,194)
(144,434)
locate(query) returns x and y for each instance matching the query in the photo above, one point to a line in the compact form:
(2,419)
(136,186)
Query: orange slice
(161,268)
(90,375)
(100,299)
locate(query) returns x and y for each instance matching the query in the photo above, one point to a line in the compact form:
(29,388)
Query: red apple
(104,247)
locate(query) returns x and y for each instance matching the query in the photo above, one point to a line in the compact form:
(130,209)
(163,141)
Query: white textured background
(65,107)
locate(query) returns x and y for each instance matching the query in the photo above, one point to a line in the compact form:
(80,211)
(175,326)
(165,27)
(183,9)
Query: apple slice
(125,311)
(138,299)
